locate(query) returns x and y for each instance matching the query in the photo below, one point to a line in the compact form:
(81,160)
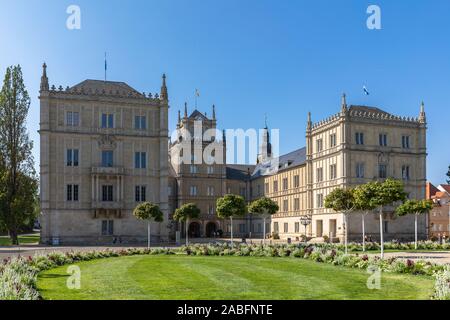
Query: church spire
(422,115)
(44,79)
(214,112)
(164,95)
(179,117)
(185,110)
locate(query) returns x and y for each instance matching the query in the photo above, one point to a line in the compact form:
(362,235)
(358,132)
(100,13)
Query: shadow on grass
(54,276)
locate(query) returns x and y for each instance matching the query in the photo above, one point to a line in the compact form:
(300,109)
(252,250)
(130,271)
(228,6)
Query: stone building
(103,150)
(357,145)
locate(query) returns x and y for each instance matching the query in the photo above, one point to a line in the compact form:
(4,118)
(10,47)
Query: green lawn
(188,277)
(23,239)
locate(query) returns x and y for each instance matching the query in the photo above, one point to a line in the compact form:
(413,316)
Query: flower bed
(18,275)
(392,245)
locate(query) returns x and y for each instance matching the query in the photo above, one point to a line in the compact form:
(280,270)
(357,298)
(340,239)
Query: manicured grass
(192,277)
(24,239)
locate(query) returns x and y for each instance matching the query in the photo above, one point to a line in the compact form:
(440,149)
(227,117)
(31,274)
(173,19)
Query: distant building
(440,214)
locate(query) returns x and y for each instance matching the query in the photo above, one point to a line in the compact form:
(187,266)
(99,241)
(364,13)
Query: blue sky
(250,58)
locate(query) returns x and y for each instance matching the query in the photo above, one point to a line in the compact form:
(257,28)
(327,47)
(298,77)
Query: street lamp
(306,220)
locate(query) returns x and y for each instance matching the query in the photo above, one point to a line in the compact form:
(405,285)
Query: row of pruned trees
(371,196)
(227,207)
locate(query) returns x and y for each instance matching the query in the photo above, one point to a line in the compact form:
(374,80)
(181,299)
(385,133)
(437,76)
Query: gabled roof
(106,86)
(444,188)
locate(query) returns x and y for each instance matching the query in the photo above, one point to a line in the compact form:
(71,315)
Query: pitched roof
(286,161)
(239,171)
(196,114)
(367,109)
(444,187)
(106,86)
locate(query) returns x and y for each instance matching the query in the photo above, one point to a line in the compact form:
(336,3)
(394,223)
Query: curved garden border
(18,276)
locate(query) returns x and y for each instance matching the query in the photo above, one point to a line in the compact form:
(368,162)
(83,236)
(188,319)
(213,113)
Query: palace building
(105,148)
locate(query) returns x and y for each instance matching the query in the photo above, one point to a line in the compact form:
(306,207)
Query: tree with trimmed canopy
(341,200)
(185,213)
(231,206)
(148,211)
(363,195)
(416,207)
(265,207)
(386,193)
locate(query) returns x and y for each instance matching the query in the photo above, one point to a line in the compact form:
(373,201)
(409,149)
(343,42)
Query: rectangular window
(382,171)
(285,205)
(242,228)
(140,193)
(296,181)
(385,226)
(107,227)
(266,188)
(319,199)
(297,227)
(333,171)
(275,227)
(140,160)
(382,139)
(210,169)
(360,170)
(107,120)
(286,227)
(319,174)
(319,145)
(285,183)
(275,186)
(211,209)
(72,158)
(405,172)
(72,119)
(140,122)
(193,190)
(359,137)
(107,159)
(332,140)
(405,142)
(72,192)
(210,191)
(194,169)
(107,193)
(296,204)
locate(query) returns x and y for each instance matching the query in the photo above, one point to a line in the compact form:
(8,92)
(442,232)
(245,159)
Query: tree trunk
(364,232)
(231,219)
(346,233)
(187,232)
(381,233)
(14,237)
(415,231)
(148,234)
(264,230)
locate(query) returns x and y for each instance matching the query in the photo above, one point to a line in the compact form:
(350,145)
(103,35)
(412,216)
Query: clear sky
(249,57)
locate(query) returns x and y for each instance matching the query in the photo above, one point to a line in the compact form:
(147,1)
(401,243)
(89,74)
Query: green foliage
(263,206)
(231,205)
(186,212)
(18,182)
(148,211)
(363,195)
(414,207)
(388,192)
(340,200)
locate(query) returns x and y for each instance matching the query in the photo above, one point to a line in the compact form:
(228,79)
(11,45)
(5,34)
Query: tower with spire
(163,94)
(422,115)
(265,152)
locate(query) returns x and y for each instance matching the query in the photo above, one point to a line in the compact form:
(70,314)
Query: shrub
(442,284)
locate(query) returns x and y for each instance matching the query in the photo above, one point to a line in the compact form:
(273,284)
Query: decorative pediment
(107,142)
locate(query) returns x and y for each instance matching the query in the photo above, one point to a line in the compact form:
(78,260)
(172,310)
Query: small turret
(44,79)
(344,104)
(422,115)
(309,123)
(185,110)
(214,112)
(164,95)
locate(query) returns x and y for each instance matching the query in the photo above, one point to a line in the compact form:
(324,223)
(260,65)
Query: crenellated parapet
(326,121)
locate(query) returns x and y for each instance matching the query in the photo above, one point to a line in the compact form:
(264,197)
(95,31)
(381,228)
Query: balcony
(108,170)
